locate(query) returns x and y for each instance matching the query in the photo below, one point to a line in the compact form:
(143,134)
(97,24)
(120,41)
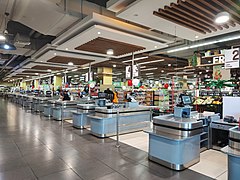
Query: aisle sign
(128,72)
(232,58)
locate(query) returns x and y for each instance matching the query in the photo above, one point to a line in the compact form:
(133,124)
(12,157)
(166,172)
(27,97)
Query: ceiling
(81,32)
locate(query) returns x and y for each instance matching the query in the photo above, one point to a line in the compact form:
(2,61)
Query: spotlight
(110,52)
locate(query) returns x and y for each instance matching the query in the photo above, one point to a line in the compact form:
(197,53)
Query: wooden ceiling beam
(186,5)
(195,4)
(207,3)
(184,20)
(233,4)
(191,19)
(234,15)
(178,21)
(189,13)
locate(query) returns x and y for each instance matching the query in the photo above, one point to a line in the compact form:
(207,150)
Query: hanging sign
(232,58)
(128,72)
(135,71)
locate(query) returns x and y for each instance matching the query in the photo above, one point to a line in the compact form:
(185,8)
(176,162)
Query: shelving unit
(161,99)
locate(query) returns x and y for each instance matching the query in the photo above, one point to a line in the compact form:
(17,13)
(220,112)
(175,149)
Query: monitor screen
(186,100)
(102,95)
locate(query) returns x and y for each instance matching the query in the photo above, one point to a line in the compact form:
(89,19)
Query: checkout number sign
(232,58)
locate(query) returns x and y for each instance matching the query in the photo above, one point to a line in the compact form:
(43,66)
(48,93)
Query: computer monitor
(186,100)
(102,95)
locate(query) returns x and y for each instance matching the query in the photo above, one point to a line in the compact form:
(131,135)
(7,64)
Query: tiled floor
(35,147)
(212,163)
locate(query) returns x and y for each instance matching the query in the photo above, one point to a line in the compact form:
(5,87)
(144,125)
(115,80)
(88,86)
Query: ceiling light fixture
(169,65)
(136,59)
(149,73)
(110,52)
(6,46)
(49,70)
(196,37)
(99,32)
(66,49)
(205,44)
(114,65)
(70,63)
(149,69)
(2,37)
(149,62)
(74,70)
(162,71)
(36,73)
(141,67)
(222,17)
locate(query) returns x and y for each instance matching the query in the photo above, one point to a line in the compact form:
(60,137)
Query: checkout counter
(80,116)
(48,108)
(233,152)
(103,121)
(38,103)
(175,139)
(63,110)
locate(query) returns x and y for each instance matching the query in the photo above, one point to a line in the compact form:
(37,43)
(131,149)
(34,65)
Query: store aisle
(34,147)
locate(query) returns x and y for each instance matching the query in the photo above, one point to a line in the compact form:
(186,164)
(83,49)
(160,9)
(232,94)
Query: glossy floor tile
(35,147)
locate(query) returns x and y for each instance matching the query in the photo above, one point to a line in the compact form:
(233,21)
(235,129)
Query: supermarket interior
(120,89)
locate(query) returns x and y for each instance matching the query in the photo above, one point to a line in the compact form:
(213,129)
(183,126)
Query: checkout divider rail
(117,129)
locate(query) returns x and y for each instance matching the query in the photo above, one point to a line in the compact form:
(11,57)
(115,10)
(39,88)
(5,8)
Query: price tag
(232,58)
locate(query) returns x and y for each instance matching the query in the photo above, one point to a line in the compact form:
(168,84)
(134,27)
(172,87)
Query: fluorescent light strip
(74,70)
(136,59)
(204,44)
(149,69)
(141,67)
(149,62)
(149,73)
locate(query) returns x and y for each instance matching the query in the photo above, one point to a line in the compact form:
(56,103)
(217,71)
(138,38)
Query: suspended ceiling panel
(135,13)
(65,57)
(100,45)
(53,68)
(65,60)
(98,31)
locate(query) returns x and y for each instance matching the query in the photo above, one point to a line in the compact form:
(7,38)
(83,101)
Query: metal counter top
(182,123)
(86,106)
(104,110)
(66,103)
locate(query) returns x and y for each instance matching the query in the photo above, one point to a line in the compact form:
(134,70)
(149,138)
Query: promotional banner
(232,58)
(128,72)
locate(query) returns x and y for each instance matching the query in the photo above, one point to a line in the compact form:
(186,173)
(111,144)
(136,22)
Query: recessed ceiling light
(155,47)
(200,72)
(209,61)
(27,76)
(55,54)
(58,73)
(169,65)
(36,73)
(162,71)
(74,70)
(114,65)
(49,70)
(207,70)
(66,49)
(2,37)
(149,73)
(110,52)
(70,63)
(99,32)
(222,17)
(41,61)
(6,46)
(196,37)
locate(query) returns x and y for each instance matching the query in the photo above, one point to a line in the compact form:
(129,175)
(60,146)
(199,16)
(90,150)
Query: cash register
(183,108)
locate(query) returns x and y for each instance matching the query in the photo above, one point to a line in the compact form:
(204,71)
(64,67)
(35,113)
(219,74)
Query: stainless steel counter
(233,152)
(171,137)
(63,110)
(103,121)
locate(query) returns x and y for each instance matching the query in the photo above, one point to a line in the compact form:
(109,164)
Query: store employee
(65,96)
